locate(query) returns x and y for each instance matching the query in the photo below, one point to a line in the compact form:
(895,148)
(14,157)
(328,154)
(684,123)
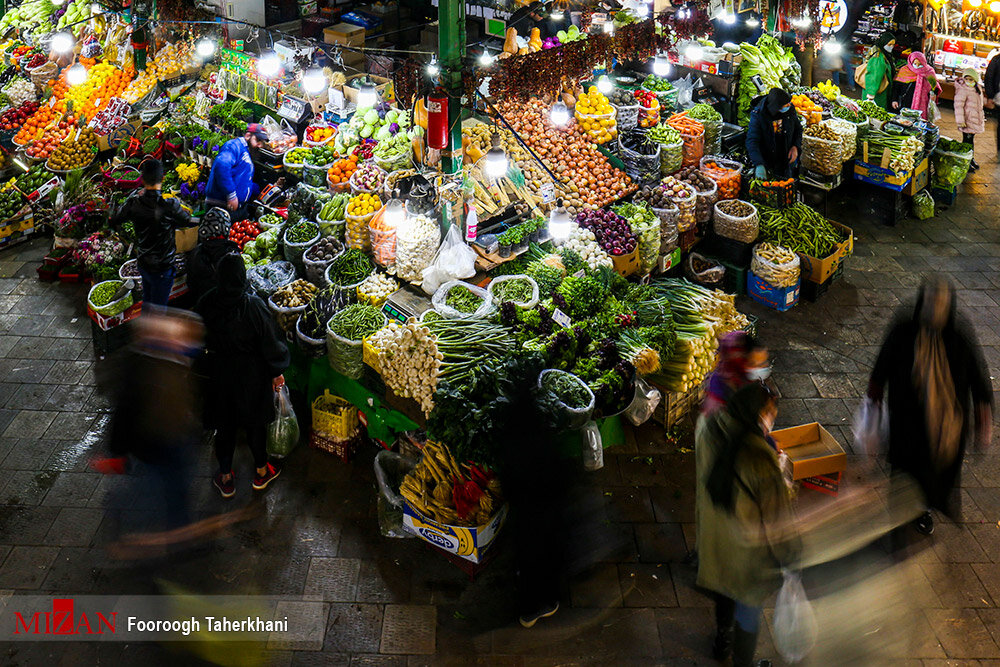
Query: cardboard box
(105,323)
(669,260)
(186,239)
(881,176)
(118,135)
(779,298)
(811,449)
(465,542)
(818,270)
(921,176)
(344,34)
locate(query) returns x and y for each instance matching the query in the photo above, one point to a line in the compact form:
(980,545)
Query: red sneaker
(260,482)
(227,489)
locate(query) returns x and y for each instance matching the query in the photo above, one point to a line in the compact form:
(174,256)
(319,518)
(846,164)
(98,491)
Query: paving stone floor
(395,602)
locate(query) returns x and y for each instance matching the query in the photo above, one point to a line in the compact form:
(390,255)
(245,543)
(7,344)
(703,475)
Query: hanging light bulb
(557,14)
(62,42)
(604,85)
(205,47)
(76,75)
(833,47)
(693,52)
(661,66)
(496,160)
(269,64)
(559,114)
(642,10)
(313,81)
(367,96)
(995,7)
(753,23)
(395,213)
(975,4)
(560,223)
(433,68)
(486,59)
(729,19)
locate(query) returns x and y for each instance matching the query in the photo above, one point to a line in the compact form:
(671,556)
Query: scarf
(922,90)
(943,414)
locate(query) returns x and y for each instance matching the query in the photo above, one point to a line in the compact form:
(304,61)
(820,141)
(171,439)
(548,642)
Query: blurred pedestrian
(155,219)
(245,356)
(741,359)
(991,85)
(970,117)
(155,417)
(743,520)
(932,366)
(213,243)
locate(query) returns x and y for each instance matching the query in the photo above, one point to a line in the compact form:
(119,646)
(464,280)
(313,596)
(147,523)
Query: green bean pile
(357,321)
(351,267)
(800,229)
(467,345)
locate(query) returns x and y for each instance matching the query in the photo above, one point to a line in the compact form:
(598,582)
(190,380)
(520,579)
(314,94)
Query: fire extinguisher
(437,119)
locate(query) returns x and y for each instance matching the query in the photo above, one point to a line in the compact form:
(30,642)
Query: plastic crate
(813,291)
(342,449)
(107,341)
(729,251)
(334,417)
(943,196)
(883,205)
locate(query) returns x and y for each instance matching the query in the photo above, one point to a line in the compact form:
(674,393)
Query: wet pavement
(395,602)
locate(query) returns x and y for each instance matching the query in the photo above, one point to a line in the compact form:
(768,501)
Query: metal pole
(451,46)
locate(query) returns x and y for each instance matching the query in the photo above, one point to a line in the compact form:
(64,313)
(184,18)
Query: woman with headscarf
(774,136)
(969,114)
(741,360)
(879,70)
(245,356)
(914,84)
(213,244)
(743,518)
(933,367)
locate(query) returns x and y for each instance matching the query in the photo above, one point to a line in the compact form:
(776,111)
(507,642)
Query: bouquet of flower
(99,248)
(188,172)
(194,192)
(71,222)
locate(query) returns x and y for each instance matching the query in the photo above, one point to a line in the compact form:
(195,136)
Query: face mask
(785,109)
(758,374)
(888,48)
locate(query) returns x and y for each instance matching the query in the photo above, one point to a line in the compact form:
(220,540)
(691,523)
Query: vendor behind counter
(774,136)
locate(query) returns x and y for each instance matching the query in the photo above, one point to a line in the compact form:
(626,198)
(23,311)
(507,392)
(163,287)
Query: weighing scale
(296,111)
(404,303)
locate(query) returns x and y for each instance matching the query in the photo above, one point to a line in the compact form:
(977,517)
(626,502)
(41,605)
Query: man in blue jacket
(231,182)
(774,137)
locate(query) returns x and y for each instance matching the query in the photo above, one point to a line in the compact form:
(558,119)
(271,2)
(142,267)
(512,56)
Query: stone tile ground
(395,602)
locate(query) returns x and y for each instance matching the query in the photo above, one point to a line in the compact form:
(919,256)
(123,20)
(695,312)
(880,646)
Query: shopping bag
(283,432)
(795,628)
(933,112)
(644,402)
(870,428)
(593,446)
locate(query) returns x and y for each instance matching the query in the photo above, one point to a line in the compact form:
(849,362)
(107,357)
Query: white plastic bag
(454,260)
(795,628)
(593,446)
(870,428)
(643,405)
(440,301)
(283,432)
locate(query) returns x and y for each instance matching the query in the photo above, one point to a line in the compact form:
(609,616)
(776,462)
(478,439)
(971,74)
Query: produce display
(433,489)
(684,197)
(368,178)
(301,232)
(464,300)
(569,389)
(417,242)
(409,361)
(290,301)
(850,115)
(800,229)
(357,321)
(15,117)
(873,110)
(74,153)
(376,288)
(350,268)
(903,150)
(692,136)
(807,108)
(335,209)
(243,232)
(671,147)
(726,175)
(777,265)
(822,150)
(951,161)
(11,202)
(645,225)
(32,179)
(706,192)
(735,219)
(649,114)
(596,116)
(711,120)
(324,250)
(583,242)
(612,232)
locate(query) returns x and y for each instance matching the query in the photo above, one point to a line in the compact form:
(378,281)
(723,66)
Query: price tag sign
(548,192)
(561,318)
(45,189)
(579,274)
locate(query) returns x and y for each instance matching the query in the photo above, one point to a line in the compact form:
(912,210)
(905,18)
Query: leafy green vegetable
(462,299)
(568,389)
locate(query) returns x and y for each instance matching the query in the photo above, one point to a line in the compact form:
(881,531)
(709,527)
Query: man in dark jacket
(246,355)
(774,137)
(991,82)
(213,244)
(155,219)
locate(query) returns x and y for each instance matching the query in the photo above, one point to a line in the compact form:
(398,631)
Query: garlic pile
(417,242)
(376,288)
(409,361)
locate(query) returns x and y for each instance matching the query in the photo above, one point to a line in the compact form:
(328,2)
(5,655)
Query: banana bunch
(430,487)
(830,90)
(76,12)
(29,15)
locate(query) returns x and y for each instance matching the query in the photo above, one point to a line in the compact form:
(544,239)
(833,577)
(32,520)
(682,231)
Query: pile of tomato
(243,231)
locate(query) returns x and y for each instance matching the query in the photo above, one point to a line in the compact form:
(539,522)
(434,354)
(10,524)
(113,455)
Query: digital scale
(404,303)
(296,111)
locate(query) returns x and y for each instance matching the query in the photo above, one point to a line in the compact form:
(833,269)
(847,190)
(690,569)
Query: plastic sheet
(390,469)
(440,299)
(569,417)
(454,260)
(671,157)
(265,279)
(923,205)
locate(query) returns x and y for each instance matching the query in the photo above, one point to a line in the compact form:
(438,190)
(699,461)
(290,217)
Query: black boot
(744,646)
(722,648)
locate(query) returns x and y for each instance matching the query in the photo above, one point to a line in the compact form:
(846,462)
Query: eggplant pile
(640,155)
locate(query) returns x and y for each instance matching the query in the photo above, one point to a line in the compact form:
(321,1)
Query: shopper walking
(213,244)
(915,85)
(774,136)
(932,366)
(744,518)
(969,114)
(155,219)
(741,360)
(245,356)
(879,72)
(230,183)
(991,83)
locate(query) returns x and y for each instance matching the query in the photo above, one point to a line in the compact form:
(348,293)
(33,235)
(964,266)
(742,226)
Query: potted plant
(521,238)
(504,243)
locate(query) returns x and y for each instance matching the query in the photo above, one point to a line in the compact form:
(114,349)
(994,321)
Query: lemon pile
(596,116)
(364,204)
(96,76)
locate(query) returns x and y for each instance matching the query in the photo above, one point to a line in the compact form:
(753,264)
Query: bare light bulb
(268,65)
(559,114)
(995,7)
(833,47)
(661,66)
(496,162)
(642,10)
(560,223)
(432,67)
(395,213)
(604,85)
(205,47)
(313,81)
(729,19)
(76,75)
(486,59)
(62,42)
(557,15)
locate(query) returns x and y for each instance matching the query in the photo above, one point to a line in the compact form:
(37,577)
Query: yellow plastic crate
(371,355)
(334,417)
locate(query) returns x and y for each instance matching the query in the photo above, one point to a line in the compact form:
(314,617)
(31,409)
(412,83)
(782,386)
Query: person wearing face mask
(743,519)
(933,369)
(878,70)
(741,360)
(774,136)
(969,101)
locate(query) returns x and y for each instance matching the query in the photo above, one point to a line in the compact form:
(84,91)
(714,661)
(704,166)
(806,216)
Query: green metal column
(451,47)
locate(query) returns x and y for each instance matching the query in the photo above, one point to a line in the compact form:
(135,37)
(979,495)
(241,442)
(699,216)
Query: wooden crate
(675,407)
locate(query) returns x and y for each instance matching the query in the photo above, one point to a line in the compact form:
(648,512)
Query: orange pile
(113,86)
(342,169)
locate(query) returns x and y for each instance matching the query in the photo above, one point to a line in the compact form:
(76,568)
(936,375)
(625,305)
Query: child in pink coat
(969,114)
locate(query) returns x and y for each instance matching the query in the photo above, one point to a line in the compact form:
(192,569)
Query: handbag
(860,73)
